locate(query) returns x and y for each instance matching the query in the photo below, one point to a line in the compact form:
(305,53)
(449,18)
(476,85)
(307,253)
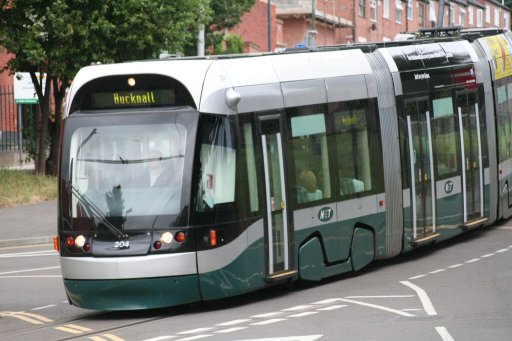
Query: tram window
(445,136)
(217,156)
(311,178)
(504,95)
(358,147)
(251,166)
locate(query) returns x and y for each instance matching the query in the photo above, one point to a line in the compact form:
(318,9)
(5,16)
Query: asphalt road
(458,290)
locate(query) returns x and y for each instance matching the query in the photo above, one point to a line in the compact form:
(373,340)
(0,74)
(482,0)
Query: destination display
(132,98)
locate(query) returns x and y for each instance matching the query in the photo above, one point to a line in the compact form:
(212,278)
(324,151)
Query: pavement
(28,225)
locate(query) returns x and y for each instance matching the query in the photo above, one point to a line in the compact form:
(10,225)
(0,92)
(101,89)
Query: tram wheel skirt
(133,294)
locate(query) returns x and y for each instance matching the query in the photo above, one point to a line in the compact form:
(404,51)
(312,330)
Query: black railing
(9,121)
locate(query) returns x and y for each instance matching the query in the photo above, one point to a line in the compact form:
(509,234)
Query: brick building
(345,21)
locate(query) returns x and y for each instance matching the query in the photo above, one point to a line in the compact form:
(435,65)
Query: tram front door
(277,232)
(421,165)
(471,158)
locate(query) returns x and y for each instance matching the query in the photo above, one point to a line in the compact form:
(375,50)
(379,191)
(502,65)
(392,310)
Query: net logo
(325,214)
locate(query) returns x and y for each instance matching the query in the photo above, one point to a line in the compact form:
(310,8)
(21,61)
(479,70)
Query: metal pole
(20,135)
(200,41)
(269,17)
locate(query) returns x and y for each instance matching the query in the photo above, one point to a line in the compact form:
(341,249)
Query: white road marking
(230,330)
(299,307)
(231,323)
(436,271)
(422,294)
(488,255)
(472,260)
(445,336)
(29,270)
(289,338)
(333,307)
(161,338)
(262,323)
(194,331)
(46,306)
(267,315)
(42,276)
(411,309)
(306,313)
(379,307)
(502,250)
(416,277)
(381,296)
(455,266)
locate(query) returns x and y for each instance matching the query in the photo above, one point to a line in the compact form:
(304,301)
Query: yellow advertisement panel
(502,58)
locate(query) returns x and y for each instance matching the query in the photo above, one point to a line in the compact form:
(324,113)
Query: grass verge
(19,187)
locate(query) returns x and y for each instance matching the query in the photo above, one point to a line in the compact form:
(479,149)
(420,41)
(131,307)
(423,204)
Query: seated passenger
(308,180)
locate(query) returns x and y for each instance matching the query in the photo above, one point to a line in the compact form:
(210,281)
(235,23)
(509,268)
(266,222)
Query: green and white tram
(197,179)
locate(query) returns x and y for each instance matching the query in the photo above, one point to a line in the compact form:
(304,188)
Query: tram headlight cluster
(78,242)
(167,240)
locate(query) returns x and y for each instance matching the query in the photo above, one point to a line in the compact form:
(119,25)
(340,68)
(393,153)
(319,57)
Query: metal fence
(16,121)
(9,120)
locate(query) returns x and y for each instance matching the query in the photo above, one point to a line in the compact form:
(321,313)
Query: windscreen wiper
(96,212)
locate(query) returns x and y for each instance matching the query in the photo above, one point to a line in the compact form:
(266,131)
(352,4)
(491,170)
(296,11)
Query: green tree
(58,37)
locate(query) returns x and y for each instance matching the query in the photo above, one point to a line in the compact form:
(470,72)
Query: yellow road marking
(73,329)
(27,317)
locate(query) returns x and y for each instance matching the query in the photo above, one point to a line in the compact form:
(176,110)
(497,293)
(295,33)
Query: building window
(487,14)
(462,17)
(421,14)
(432,11)
(479,17)
(385,12)
(496,17)
(398,11)
(362,8)
(452,14)
(506,23)
(373,10)
(470,15)
(409,10)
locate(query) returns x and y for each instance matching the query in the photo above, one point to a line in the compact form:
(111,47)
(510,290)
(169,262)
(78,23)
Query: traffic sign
(24,90)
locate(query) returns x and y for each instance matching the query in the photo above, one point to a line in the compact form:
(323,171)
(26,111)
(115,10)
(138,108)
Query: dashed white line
(306,313)
(230,330)
(333,307)
(29,270)
(455,266)
(161,338)
(382,296)
(416,277)
(232,323)
(422,294)
(472,260)
(437,271)
(502,250)
(299,307)
(262,323)
(267,315)
(445,336)
(488,255)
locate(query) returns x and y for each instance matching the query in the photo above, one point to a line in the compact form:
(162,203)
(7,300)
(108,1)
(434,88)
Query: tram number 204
(122,244)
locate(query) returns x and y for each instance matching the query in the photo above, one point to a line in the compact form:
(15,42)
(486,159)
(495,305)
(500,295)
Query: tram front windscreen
(125,172)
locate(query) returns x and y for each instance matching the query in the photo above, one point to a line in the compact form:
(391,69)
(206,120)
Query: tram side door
(471,156)
(423,196)
(277,233)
